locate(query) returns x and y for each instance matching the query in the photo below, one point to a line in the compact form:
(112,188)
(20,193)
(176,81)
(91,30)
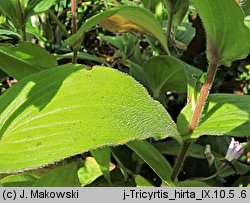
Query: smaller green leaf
(224,114)
(25,59)
(154,159)
(102,157)
(89,172)
(123,19)
(165,73)
(227,36)
(18,180)
(62,176)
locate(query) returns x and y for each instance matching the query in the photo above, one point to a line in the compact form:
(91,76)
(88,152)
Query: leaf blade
(35,123)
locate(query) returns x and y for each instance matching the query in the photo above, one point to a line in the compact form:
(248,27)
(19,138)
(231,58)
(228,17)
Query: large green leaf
(228,39)
(25,59)
(123,19)
(68,110)
(224,114)
(165,73)
(154,159)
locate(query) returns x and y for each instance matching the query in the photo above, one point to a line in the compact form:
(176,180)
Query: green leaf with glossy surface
(25,59)
(228,39)
(153,158)
(224,114)
(123,19)
(47,117)
(165,73)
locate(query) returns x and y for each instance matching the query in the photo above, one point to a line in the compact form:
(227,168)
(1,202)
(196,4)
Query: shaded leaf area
(123,19)
(47,117)
(165,73)
(142,182)
(10,33)
(82,56)
(91,171)
(102,157)
(227,35)
(19,180)
(173,148)
(62,176)
(224,114)
(19,11)
(25,59)
(154,159)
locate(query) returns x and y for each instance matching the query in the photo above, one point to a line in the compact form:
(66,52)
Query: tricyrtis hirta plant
(128,93)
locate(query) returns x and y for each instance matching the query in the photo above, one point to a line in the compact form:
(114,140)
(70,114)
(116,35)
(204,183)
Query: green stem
(169,29)
(22,28)
(180,160)
(59,24)
(74,28)
(212,69)
(22,33)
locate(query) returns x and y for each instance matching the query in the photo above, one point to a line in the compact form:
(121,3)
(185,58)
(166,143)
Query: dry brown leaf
(119,24)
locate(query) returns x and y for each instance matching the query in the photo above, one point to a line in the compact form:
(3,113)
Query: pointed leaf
(123,19)
(228,39)
(68,110)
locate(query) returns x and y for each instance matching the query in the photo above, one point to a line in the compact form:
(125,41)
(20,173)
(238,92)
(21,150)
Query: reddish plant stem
(212,69)
(74,28)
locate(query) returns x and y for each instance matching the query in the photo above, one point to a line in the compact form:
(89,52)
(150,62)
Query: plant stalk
(59,24)
(169,29)
(74,28)
(180,160)
(22,28)
(212,69)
